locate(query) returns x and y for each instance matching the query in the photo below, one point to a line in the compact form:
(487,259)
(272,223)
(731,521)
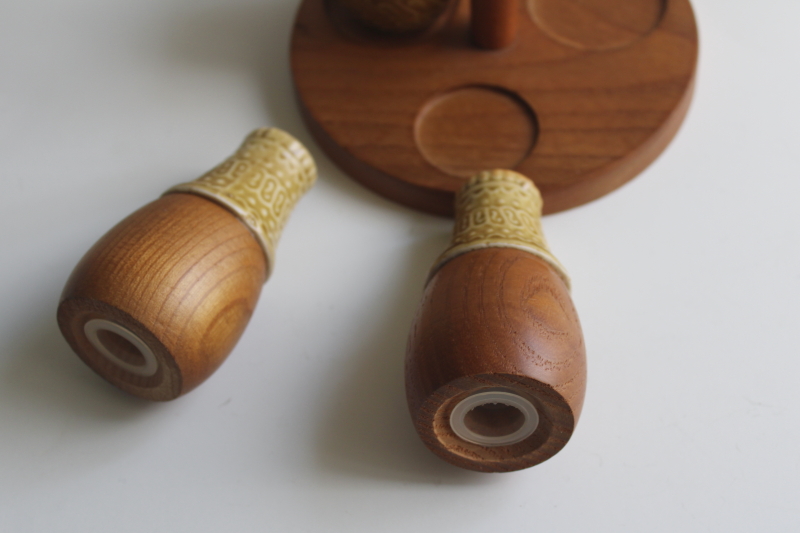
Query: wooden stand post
(494,23)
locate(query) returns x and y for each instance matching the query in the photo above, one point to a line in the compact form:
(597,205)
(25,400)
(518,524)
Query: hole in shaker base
(494,418)
(121,346)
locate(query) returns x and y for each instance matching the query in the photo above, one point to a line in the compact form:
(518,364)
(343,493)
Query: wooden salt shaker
(158,303)
(496,364)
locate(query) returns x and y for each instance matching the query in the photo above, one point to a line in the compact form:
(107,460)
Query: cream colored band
(261,183)
(499,209)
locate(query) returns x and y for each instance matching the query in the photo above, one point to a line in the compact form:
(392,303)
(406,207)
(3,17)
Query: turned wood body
(158,303)
(496,315)
(183,274)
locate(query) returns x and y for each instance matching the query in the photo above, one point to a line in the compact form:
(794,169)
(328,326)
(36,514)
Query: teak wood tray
(582,100)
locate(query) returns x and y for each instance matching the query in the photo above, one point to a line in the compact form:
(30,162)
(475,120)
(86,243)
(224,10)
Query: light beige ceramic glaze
(260,183)
(499,209)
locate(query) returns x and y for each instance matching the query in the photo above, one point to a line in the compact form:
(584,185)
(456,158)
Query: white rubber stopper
(517,433)
(93,327)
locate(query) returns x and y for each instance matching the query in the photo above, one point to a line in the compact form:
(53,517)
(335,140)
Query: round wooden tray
(587,96)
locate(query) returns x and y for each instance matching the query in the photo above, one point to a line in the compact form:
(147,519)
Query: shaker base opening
(121,346)
(494,418)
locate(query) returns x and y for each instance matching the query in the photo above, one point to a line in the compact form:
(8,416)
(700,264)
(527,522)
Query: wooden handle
(494,23)
(396,16)
(158,303)
(496,364)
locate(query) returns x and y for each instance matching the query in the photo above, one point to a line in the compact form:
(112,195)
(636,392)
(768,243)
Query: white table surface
(687,281)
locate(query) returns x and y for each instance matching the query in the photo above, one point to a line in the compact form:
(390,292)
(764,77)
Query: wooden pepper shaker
(496,364)
(158,303)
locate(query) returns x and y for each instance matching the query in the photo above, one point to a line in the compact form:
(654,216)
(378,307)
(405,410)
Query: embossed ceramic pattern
(261,183)
(396,16)
(501,209)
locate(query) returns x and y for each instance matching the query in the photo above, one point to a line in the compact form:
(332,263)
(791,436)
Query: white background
(687,281)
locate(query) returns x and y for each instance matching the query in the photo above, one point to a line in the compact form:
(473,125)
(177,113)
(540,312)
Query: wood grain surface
(600,90)
(181,273)
(496,318)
